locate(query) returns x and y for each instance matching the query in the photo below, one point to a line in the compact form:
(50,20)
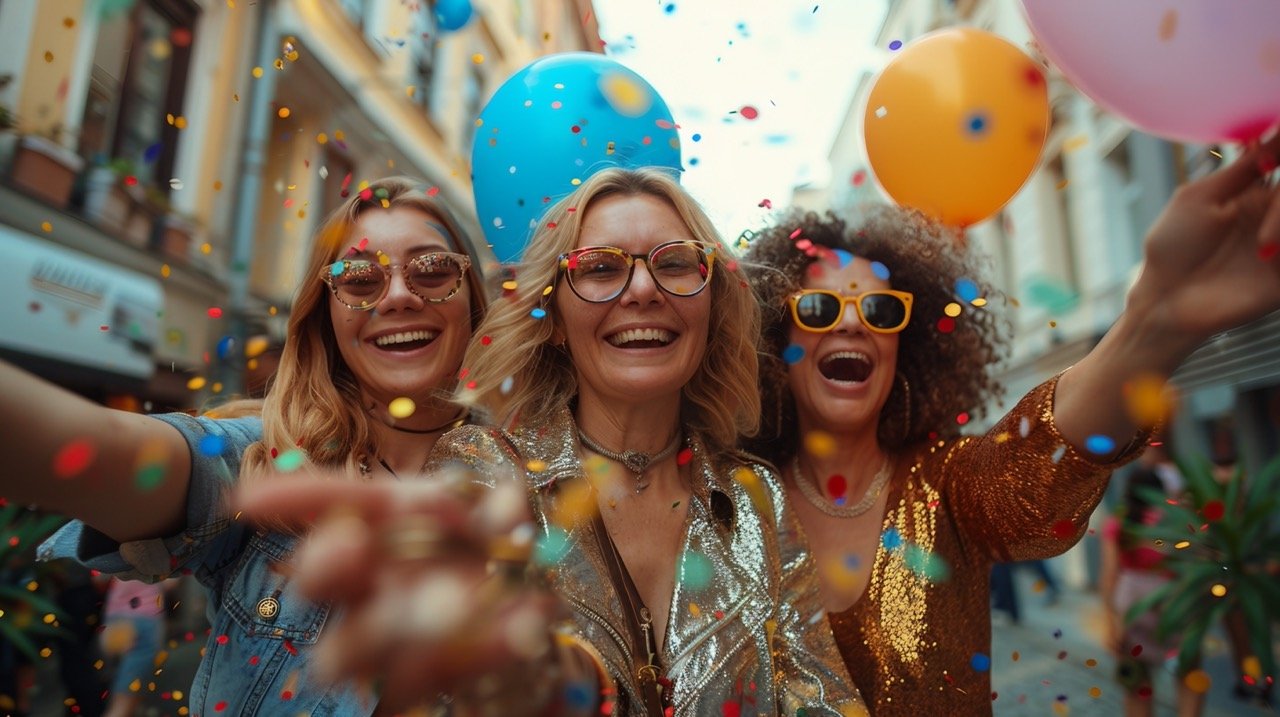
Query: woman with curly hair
(871,364)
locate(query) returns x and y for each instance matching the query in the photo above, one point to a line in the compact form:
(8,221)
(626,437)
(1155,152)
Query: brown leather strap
(646,673)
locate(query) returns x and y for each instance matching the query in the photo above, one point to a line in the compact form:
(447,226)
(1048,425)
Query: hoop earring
(906,396)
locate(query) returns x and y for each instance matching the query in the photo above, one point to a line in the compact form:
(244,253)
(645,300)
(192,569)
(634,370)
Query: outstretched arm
(1210,265)
(122,473)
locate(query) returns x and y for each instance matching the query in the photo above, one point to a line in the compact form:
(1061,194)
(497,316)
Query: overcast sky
(795,63)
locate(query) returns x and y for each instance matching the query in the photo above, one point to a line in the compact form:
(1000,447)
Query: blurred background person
(1131,570)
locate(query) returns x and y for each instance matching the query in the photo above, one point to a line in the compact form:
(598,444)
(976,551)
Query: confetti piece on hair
(1099,444)
(211,446)
(684,456)
(290,460)
(1024,426)
(966,289)
(792,353)
(401,407)
(538,313)
(980,662)
(946,325)
(1064,529)
(1058,453)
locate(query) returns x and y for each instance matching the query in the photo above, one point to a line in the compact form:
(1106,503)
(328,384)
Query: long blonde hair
(720,400)
(314,403)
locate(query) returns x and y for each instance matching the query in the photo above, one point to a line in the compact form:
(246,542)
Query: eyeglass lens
(361,282)
(822,311)
(602,274)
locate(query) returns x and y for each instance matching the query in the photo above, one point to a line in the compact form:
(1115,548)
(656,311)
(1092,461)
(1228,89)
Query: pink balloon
(1195,70)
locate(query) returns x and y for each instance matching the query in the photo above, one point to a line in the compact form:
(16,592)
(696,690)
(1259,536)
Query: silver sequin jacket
(755,635)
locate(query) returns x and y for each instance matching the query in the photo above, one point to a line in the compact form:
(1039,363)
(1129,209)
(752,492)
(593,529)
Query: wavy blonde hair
(719,402)
(314,401)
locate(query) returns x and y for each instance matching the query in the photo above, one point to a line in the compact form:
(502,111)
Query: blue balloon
(553,124)
(452,14)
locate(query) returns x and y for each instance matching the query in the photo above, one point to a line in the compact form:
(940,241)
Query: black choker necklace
(451,423)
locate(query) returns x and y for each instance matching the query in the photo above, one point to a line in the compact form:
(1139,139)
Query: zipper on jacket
(617,638)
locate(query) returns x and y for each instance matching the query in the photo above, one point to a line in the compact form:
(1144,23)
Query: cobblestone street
(1041,666)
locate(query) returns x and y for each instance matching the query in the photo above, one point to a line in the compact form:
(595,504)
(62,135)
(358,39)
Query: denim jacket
(257,660)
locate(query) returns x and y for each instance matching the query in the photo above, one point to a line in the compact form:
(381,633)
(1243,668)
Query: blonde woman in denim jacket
(388,301)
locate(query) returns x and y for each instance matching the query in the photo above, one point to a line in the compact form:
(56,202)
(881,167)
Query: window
(1060,233)
(473,100)
(137,81)
(356,10)
(422,50)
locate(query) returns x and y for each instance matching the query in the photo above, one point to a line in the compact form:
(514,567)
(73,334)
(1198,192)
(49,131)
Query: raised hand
(1211,257)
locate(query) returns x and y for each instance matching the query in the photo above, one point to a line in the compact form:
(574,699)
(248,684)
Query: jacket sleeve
(481,450)
(1022,491)
(812,674)
(211,539)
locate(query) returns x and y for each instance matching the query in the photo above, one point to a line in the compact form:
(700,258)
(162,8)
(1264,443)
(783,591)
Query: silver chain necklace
(634,461)
(810,491)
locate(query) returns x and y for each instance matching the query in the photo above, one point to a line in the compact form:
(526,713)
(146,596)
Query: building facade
(164,162)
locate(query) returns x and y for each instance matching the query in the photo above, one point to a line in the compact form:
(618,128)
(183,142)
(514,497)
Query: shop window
(422,48)
(136,88)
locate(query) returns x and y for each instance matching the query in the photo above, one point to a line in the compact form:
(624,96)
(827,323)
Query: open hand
(1211,257)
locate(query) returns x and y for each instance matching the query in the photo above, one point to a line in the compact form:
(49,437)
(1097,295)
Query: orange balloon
(955,124)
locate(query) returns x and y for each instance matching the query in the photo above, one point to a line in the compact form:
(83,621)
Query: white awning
(62,305)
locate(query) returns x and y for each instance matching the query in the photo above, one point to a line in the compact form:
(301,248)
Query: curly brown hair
(948,372)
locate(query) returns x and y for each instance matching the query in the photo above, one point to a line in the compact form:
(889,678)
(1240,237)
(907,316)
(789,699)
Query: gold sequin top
(748,634)
(919,639)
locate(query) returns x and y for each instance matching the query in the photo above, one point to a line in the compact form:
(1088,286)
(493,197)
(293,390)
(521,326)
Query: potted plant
(107,203)
(181,232)
(1226,551)
(45,168)
(22,609)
